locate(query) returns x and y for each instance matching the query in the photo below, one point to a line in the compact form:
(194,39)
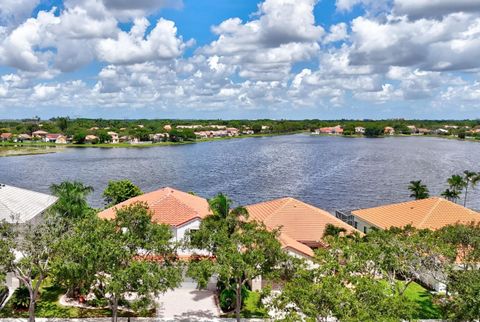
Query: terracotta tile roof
(299,222)
(432,213)
(169,206)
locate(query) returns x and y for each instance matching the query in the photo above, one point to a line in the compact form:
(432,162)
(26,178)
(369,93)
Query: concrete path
(186,303)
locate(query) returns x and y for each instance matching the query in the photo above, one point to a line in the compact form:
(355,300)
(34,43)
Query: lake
(328,172)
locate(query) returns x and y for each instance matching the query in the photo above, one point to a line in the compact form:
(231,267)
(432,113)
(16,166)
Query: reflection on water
(329,172)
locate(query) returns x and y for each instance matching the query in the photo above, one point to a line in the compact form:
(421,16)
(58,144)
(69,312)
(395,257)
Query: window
(355,224)
(364,229)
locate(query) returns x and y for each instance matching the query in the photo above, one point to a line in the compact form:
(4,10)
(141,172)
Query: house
(359,130)
(23,206)
(432,213)
(301,225)
(91,138)
(158,137)
(113,137)
(182,211)
(51,137)
(330,130)
(95,128)
(24,137)
(412,128)
(441,132)
(188,126)
(167,127)
(6,137)
(389,130)
(231,131)
(62,139)
(423,131)
(39,134)
(202,134)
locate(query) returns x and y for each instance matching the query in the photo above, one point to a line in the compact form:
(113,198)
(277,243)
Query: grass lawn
(253,307)
(48,306)
(424,299)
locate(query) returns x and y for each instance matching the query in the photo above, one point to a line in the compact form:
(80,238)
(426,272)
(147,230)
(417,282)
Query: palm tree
(220,206)
(419,190)
(470,178)
(451,194)
(72,199)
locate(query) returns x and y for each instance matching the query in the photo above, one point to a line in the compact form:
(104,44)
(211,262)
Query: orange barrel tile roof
(432,213)
(300,221)
(169,206)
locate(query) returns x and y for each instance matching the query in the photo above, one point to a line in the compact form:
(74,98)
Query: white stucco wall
(362,226)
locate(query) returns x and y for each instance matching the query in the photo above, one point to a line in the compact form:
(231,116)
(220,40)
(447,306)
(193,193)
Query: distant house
(6,136)
(231,131)
(91,138)
(51,137)
(39,134)
(159,137)
(359,130)
(441,131)
(95,128)
(389,130)
(167,127)
(248,132)
(188,126)
(113,137)
(330,130)
(62,139)
(423,131)
(412,128)
(24,137)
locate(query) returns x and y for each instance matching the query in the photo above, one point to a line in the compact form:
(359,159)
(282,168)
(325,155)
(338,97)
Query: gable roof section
(299,221)
(21,205)
(169,206)
(432,213)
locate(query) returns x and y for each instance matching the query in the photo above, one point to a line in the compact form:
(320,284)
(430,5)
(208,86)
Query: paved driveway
(186,303)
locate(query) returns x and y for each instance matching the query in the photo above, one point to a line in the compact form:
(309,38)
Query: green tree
(79,137)
(465,304)
(36,248)
(119,191)
(333,231)
(418,190)
(128,254)
(243,250)
(6,245)
(103,137)
(62,123)
(373,131)
(470,180)
(456,184)
(72,199)
(256,128)
(348,281)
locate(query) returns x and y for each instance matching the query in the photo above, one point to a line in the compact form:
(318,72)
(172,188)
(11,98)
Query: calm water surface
(329,172)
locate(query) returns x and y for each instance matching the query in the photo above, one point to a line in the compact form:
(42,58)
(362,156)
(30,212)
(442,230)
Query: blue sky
(277,59)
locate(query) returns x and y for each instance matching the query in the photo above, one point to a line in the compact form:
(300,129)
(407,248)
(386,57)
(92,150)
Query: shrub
(21,298)
(228,298)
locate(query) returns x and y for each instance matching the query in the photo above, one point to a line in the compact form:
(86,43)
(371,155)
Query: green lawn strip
(424,299)
(252,307)
(48,306)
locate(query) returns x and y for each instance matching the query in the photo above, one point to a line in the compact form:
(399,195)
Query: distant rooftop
(21,205)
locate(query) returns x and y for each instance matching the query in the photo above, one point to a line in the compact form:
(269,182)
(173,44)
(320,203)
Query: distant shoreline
(9,149)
